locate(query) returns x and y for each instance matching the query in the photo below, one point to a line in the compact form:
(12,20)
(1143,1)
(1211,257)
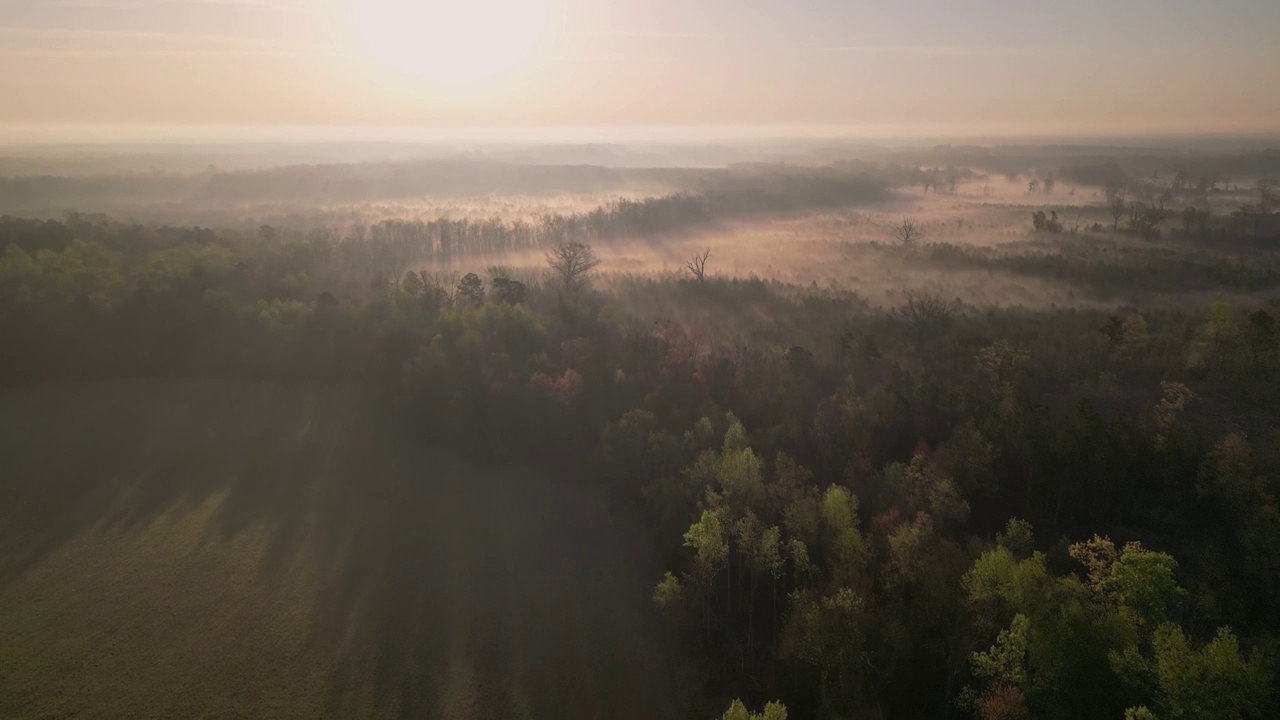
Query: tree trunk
(774,592)
(728,590)
(706,613)
(751,620)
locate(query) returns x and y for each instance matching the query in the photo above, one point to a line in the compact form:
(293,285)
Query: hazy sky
(909,66)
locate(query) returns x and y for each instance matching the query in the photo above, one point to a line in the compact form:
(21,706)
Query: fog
(609,360)
(842,243)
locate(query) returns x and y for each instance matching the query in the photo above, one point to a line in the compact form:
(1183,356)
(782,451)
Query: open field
(222,549)
(982,250)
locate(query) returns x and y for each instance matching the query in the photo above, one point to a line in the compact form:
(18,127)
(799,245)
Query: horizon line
(118,133)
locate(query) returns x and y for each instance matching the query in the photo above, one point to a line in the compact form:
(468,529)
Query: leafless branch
(572,264)
(908,232)
(698,265)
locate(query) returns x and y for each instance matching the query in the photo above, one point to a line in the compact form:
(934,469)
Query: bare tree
(396,244)
(925,316)
(908,232)
(1076,222)
(698,265)
(446,287)
(572,263)
(1117,202)
(1268,198)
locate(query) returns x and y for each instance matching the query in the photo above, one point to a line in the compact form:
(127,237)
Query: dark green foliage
(1046,223)
(1264,342)
(471,289)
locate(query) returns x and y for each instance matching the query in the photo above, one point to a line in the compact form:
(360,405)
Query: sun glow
(458,45)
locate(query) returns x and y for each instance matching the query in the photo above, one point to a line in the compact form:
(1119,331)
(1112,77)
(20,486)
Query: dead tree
(698,265)
(908,232)
(1117,202)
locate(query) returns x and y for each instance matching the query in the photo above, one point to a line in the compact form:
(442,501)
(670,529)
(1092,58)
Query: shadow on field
(442,591)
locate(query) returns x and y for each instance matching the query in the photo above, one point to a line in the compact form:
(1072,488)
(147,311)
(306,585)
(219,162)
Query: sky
(900,68)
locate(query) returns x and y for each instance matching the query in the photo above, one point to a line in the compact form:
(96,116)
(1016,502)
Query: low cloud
(81,42)
(929,50)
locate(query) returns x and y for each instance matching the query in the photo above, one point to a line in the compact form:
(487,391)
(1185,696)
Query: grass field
(220,550)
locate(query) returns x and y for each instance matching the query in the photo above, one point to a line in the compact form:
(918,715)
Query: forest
(994,435)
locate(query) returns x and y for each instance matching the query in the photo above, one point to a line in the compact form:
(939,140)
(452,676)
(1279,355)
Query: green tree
(1264,342)
(1215,681)
(1002,668)
(706,538)
(740,477)
(669,594)
(1175,399)
(1139,581)
(412,284)
(471,289)
(738,711)
(926,488)
(1218,340)
(848,548)
(1063,641)
(824,631)
(508,291)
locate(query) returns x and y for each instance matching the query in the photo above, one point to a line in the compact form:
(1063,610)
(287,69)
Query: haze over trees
(434,465)
(908,232)
(639,360)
